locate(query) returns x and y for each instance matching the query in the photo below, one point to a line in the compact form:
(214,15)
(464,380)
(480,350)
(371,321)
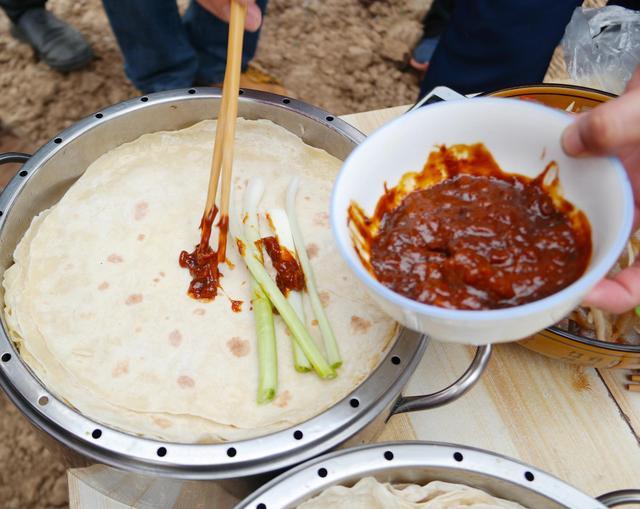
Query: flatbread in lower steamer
(368,493)
(97,305)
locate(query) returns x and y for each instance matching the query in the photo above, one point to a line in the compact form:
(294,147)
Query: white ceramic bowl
(517,133)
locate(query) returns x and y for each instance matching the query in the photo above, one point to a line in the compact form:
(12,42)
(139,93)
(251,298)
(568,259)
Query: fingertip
(572,142)
(254,18)
(608,295)
(594,297)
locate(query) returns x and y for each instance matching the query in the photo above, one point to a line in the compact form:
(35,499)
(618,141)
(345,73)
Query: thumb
(254,18)
(619,293)
(607,128)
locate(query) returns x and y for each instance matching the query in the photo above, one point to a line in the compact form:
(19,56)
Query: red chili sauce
(465,235)
(289,275)
(203,262)
(236,306)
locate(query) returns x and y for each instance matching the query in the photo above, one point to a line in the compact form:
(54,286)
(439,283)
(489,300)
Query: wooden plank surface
(577,423)
(555,416)
(628,402)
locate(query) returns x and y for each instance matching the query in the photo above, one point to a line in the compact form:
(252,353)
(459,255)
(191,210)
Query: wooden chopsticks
(222,161)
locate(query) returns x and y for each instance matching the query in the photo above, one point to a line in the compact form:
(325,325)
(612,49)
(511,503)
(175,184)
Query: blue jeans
(163,51)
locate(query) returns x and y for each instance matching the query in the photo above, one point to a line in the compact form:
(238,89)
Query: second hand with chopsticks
(203,261)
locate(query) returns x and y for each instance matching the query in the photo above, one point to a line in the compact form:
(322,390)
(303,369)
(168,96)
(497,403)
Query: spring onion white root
(262,310)
(280,224)
(330,344)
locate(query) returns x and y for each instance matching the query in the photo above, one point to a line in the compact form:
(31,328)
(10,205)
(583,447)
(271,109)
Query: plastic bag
(602,47)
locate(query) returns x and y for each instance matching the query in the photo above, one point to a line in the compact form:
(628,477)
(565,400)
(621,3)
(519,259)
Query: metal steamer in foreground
(422,462)
(43,180)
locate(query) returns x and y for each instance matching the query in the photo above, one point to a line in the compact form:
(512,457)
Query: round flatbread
(98,305)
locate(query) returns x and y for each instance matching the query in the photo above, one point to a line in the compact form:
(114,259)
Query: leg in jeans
(16,8)
(491,44)
(208,35)
(157,52)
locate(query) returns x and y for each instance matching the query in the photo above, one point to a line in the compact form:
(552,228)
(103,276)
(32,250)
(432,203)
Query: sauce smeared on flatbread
(289,274)
(202,263)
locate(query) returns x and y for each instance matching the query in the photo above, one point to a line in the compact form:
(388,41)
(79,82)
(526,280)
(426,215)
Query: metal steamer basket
(43,180)
(422,462)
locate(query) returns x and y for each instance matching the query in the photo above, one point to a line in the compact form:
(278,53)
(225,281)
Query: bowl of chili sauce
(466,221)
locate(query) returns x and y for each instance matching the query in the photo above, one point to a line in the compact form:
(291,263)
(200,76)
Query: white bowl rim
(579,287)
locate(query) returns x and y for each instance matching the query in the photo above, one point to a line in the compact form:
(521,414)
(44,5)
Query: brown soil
(342,55)
(9,142)
(30,476)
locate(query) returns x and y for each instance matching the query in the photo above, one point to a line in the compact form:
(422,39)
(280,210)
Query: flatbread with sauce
(98,307)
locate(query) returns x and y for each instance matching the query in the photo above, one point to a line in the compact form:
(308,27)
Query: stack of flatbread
(98,307)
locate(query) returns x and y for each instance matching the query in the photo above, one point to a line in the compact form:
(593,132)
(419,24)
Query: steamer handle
(14,157)
(454,391)
(621,497)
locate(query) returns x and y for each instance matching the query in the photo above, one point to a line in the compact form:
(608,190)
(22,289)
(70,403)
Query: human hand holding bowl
(613,129)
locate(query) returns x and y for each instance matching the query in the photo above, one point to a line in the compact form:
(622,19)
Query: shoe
(255,79)
(58,44)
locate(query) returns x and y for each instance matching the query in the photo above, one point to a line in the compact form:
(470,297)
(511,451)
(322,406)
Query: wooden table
(579,424)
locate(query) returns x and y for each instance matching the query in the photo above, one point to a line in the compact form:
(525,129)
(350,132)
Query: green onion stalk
(329,339)
(297,328)
(262,310)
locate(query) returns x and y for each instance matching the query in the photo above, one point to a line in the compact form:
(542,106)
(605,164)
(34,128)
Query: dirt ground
(342,55)
(30,476)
